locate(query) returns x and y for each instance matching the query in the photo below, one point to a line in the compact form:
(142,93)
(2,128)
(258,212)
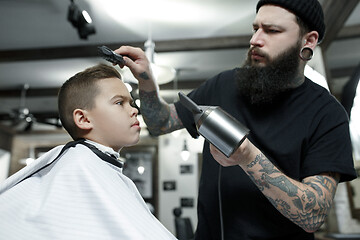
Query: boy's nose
(134,111)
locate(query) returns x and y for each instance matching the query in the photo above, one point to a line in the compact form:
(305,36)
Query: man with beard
(280,182)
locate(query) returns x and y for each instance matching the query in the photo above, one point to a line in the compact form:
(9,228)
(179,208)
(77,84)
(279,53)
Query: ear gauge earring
(308,54)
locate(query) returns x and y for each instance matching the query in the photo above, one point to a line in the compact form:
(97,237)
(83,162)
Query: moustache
(257,51)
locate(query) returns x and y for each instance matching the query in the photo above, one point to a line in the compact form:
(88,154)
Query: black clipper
(111,56)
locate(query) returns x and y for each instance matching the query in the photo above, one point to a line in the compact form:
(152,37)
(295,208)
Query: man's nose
(257,38)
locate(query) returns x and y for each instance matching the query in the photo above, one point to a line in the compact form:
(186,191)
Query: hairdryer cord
(220,205)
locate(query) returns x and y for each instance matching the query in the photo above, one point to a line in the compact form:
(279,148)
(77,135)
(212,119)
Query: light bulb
(185,154)
(86,16)
(141,170)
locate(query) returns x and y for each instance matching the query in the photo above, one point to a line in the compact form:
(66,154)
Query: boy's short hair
(79,92)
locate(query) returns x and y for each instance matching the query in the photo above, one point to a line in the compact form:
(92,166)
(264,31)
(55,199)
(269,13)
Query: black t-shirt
(304,133)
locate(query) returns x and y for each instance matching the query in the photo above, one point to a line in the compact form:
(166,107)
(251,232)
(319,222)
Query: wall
(170,146)
(22,143)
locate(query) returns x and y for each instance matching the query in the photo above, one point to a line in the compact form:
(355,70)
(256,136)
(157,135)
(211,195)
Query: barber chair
(183,227)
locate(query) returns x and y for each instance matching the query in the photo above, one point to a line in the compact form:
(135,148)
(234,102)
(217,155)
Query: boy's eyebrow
(122,96)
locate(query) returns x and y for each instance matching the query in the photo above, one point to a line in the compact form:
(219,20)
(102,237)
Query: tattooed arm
(305,203)
(159,116)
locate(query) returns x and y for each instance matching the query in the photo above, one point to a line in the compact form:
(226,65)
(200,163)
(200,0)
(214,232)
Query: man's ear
(311,39)
(81,119)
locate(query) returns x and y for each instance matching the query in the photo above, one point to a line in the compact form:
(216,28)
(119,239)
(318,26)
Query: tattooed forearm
(305,203)
(283,183)
(316,188)
(309,222)
(160,118)
(144,76)
(266,165)
(155,113)
(257,159)
(326,183)
(325,187)
(258,182)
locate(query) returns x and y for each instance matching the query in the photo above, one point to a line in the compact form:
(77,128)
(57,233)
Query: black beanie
(309,11)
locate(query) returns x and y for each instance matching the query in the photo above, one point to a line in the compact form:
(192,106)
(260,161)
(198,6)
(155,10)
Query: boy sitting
(78,191)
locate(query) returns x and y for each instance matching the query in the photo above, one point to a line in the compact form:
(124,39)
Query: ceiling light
(80,20)
(162,74)
(141,168)
(86,16)
(185,154)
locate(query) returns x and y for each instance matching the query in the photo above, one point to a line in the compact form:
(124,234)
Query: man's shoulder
(323,104)
(229,73)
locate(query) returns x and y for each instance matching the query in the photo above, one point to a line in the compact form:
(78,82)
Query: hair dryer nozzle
(216,126)
(189,104)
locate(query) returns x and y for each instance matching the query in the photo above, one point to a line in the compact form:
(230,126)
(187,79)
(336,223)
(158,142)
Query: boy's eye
(119,103)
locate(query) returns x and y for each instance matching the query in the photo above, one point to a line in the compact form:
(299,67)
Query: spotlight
(80,20)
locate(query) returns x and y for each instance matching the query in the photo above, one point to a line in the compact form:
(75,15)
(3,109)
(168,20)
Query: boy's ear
(81,119)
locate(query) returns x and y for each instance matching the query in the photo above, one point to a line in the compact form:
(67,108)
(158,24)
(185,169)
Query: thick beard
(264,85)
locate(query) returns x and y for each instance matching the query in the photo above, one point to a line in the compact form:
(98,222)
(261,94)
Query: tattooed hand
(160,117)
(244,154)
(305,203)
(137,62)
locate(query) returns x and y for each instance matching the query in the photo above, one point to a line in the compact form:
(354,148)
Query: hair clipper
(110,55)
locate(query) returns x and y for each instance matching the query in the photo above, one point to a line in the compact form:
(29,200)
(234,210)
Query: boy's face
(113,119)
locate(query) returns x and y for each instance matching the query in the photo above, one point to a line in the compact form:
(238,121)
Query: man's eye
(119,103)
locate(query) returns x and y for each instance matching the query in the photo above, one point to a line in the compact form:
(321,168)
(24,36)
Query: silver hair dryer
(216,126)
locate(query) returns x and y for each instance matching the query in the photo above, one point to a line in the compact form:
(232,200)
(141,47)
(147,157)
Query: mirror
(141,167)
(351,102)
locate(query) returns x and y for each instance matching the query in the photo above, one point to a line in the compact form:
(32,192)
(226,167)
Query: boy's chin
(132,143)
(136,142)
